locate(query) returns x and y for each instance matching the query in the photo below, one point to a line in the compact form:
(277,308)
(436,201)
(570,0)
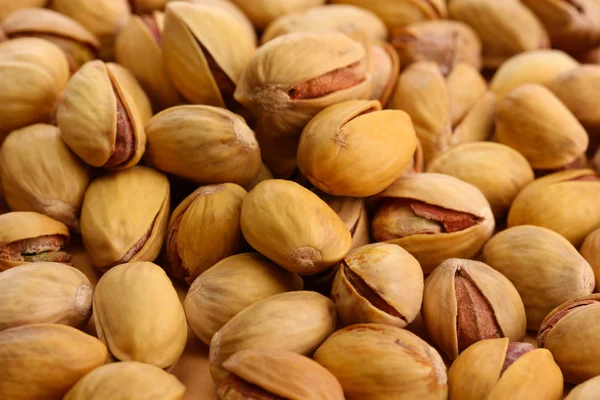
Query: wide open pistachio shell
(434,217)
(33,74)
(99,120)
(590,250)
(293,227)
(385,71)
(533,121)
(355,149)
(44,292)
(204,229)
(43,361)
(27,237)
(497,170)
(495,369)
(544,267)
(505,27)
(377,362)
(125,381)
(129,82)
(39,173)
(263,12)
(478,124)
(588,390)
(353,212)
(9,6)
(230,286)
(565,202)
(466,87)
(467,301)
(138,315)
(119,226)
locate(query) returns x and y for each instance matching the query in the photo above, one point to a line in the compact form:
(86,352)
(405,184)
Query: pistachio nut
(355,149)
(147,6)
(466,87)
(571,334)
(293,227)
(565,202)
(204,144)
(385,71)
(39,173)
(533,121)
(588,390)
(277,373)
(353,212)
(466,301)
(544,267)
(33,74)
(125,381)
(536,66)
(496,369)
(497,170)
(99,120)
(28,237)
(434,217)
(235,11)
(590,250)
(376,361)
(119,226)
(127,80)
(264,174)
(505,27)
(263,13)
(230,286)
(203,230)
(478,124)
(9,6)
(138,315)
(43,361)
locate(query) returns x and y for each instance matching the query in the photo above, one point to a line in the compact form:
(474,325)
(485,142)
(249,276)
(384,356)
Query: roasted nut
(127,380)
(478,124)
(263,13)
(9,6)
(39,173)
(497,369)
(590,250)
(466,87)
(467,301)
(43,361)
(375,361)
(138,315)
(588,390)
(119,226)
(353,212)
(27,237)
(544,267)
(434,217)
(127,80)
(235,11)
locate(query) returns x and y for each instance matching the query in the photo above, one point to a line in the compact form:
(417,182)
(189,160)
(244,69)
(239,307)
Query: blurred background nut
(385,69)
(477,124)
(590,250)
(588,390)
(127,80)
(147,6)
(466,87)
(264,174)
(467,301)
(542,265)
(263,12)
(9,6)
(39,173)
(497,369)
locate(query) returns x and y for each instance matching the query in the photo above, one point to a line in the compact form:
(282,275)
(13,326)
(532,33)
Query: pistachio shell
(117,225)
(588,390)
(127,380)
(385,71)
(138,315)
(147,6)
(465,87)
(478,124)
(544,267)
(9,6)
(132,86)
(264,12)
(43,361)
(353,212)
(590,250)
(39,173)
(235,11)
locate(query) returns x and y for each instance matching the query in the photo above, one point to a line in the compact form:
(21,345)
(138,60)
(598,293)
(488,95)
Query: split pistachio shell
(590,250)
(264,12)
(377,362)
(533,121)
(544,267)
(565,202)
(230,286)
(434,217)
(385,71)
(588,390)
(496,369)
(99,120)
(34,73)
(128,81)
(9,6)
(467,301)
(39,173)
(125,381)
(466,87)
(43,361)
(293,227)
(353,212)
(235,11)
(204,144)
(506,171)
(355,149)
(478,124)
(138,315)
(119,226)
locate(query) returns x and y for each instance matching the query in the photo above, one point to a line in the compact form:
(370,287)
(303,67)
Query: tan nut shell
(379,362)
(475,374)
(204,144)
(235,11)
(114,217)
(353,212)
(43,361)
(9,6)
(557,203)
(385,71)
(293,227)
(590,250)
(263,12)
(466,87)
(544,267)
(230,286)
(588,390)
(125,381)
(478,124)
(39,173)
(345,153)
(138,315)
(132,86)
